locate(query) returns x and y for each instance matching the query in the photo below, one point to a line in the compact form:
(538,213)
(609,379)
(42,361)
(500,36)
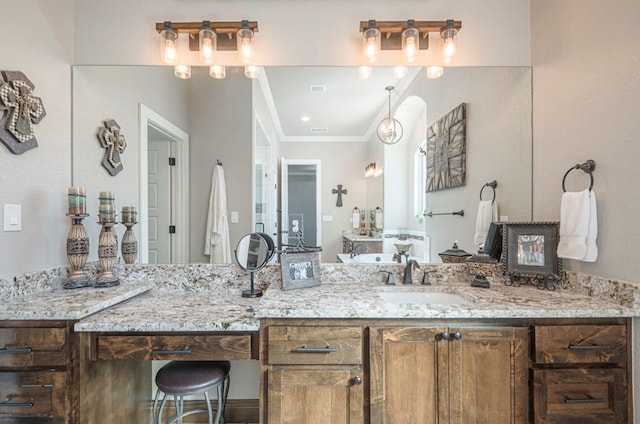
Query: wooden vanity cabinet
(455,374)
(312,373)
(581,373)
(37,374)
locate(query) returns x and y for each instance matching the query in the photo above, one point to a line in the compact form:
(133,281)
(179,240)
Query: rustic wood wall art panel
(114,144)
(19,111)
(446,151)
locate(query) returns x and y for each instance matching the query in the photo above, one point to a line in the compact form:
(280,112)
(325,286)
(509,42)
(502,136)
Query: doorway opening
(164,190)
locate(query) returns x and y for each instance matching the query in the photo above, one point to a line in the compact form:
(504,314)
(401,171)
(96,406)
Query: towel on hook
(578,226)
(217,245)
(487,213)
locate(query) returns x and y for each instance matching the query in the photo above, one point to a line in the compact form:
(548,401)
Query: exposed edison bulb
(168,45)
(182,71)
(399,72)
(410,43)
(251,71)
(450,47)
(245,49)
(434,72)
(371,43)
(365,72)
(217,71)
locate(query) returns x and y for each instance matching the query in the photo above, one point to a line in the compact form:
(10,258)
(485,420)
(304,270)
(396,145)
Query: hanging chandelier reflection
(390,129)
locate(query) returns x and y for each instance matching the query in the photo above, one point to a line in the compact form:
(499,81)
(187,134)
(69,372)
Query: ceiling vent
(317,88)
(319,130)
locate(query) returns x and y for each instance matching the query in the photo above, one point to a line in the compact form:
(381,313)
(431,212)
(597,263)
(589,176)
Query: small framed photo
(300,269)
(529,250)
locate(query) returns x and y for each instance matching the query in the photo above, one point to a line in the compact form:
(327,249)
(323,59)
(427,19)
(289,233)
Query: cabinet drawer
(37,394)
(314,345)
(567,344)
(174,347)
(580,396)
(32,346)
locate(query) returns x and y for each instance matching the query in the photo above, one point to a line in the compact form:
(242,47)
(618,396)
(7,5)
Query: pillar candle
(77,197)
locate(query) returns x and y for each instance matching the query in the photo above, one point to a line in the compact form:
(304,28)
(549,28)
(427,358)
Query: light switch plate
(12,217)
(327,218)
(235,217)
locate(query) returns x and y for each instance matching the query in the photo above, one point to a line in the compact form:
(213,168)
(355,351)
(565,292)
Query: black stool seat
(185,377)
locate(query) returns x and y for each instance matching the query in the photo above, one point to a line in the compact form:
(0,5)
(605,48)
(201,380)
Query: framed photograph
(529,250)
(300,269)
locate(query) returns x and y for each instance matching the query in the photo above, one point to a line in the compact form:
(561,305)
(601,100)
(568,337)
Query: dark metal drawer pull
(6,403)
(588,347)
(589,399)
(305,349)
(185,351)
(16,350)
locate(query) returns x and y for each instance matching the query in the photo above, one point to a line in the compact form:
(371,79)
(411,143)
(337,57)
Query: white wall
(585,106)
(38,41)
(319,32)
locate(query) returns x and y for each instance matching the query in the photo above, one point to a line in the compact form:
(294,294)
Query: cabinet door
(315,396)
(408,375)
(488,375)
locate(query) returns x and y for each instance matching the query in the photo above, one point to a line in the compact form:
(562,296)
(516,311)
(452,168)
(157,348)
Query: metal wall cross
(339,191)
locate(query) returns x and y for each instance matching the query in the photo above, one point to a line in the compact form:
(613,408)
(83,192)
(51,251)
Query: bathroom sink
(423,297)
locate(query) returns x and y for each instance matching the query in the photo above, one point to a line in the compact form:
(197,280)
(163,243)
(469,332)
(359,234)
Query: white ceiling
(349,109)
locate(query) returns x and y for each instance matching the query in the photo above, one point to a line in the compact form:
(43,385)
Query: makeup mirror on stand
(253,252)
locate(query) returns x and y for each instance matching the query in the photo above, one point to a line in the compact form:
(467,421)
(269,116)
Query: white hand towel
(487,213)
(578,226)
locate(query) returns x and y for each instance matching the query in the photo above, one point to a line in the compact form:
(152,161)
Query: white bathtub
(373,258)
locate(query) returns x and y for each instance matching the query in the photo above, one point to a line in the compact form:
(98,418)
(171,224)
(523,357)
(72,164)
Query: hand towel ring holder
(493,184)
(587,167)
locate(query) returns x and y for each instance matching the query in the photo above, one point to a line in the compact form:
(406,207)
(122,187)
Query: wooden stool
(184,378)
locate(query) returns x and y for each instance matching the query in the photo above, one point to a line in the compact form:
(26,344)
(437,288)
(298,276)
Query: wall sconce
(182,71)
(207,38)
(372,170)
(371,37)
(411,36)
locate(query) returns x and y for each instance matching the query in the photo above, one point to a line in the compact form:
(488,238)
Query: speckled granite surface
(204,297)
(63,304)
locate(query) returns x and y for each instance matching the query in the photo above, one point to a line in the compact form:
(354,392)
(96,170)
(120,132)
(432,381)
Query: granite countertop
(75,304)
(363,300)
(180,311)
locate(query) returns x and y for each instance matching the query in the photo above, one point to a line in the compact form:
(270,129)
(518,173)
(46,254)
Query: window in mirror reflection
(420,179)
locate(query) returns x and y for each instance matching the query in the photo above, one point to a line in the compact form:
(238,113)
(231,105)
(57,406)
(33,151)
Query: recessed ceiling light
(317,130)
(305,119)
(317,88)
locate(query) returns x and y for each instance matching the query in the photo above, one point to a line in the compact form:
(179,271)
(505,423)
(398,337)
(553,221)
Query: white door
(300,202)
(160,204)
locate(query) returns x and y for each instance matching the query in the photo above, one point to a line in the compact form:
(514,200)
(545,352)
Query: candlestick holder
(77,253)
(129,244)
(107,255)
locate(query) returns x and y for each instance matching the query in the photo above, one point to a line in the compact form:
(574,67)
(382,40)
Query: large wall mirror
(324,114)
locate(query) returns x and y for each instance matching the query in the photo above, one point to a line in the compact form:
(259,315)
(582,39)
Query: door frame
(284,187)
(180,243)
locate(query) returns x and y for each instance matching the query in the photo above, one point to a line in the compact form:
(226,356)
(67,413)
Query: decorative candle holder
(77,253)
(129,243)
(107,255)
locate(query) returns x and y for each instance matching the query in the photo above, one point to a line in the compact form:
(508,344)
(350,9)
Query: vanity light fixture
(411,36)
(251,71)
(208,37)
(372,170)
(390,130)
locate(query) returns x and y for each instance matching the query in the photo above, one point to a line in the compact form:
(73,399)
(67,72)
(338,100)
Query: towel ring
(493,184)
(587,167)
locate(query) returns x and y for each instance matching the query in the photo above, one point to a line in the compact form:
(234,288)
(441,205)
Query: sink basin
(423,297)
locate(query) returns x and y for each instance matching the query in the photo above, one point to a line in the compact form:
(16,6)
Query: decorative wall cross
(339,191)
(21,112)
(114,144)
